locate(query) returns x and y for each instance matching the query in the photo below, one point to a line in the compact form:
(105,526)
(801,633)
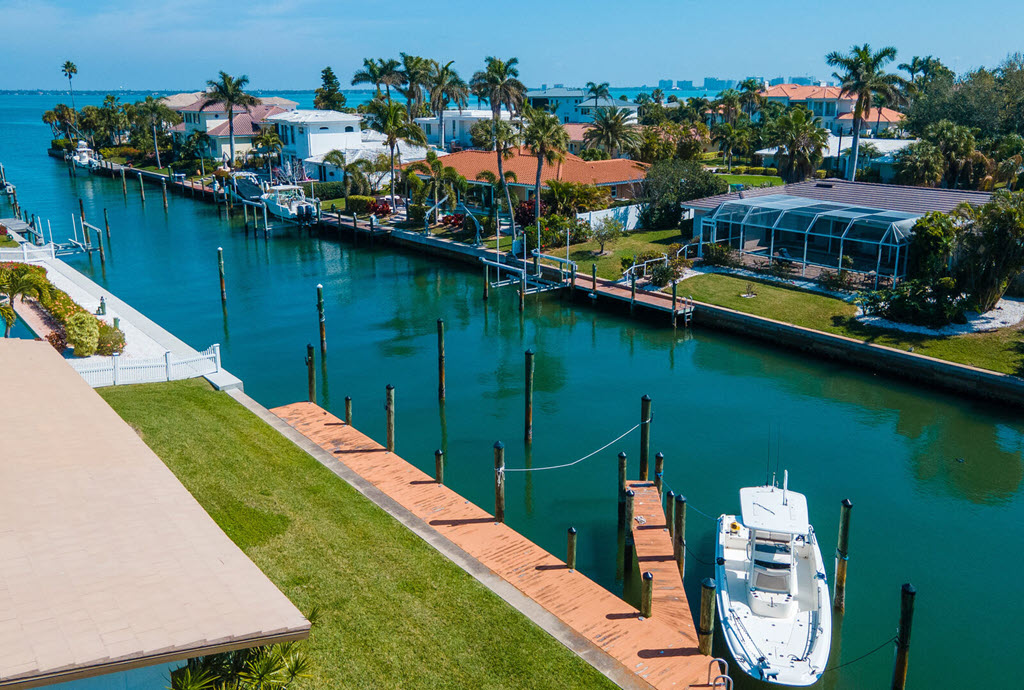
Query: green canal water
(725,408)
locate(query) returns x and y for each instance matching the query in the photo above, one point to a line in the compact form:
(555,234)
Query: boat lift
(529,283)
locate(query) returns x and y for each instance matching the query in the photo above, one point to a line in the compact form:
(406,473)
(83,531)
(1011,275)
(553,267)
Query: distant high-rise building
(715,84)
(684,85)
(664,84)
(776,81)
(803,81)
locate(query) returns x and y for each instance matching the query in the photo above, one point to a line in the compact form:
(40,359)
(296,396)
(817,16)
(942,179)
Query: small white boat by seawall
(83,156)
(289,202)
(773,599)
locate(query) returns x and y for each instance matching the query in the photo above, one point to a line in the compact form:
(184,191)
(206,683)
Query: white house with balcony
(573,105)
(307,133)
(457,126)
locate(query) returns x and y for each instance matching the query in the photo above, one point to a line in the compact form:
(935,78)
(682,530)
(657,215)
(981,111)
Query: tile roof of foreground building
(886,115)
(888,197)
(472,162)
(246,123)
(109,563)
(798,92)
(271,101)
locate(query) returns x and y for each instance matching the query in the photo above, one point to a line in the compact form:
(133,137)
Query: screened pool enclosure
(814,233)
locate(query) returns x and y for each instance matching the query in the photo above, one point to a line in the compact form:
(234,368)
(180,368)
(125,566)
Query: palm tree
(750,95)
(730,139)
(499,188)
(442,180)
(415,75)
(23,282)
(801,141)
(728,103)
(613,130)
(548,140)
(229,92)
(269,143)
(658,96)
(369,74)
(499,83)
(391,120)
(446,87)
(69,69)
(153,112)
(863,77)
(50,118)
(598,91)
(349,171)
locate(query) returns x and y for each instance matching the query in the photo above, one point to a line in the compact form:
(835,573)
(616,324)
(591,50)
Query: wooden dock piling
(679,534)
(899,672)
(142,189)
(81,216)
(622,475)
(593,280)
(632,294)
(659,471)
(842,555)
(670,507)
(220,270)
(440,360)
(311,372)
(439,466)
(645,435)
(321,317)
(499,481)
(163,186)
(487,281)
(389,408)
(570,548)
(628,513)
(124,184)
(674,304)
(106,222)
(528,420)
(647,594)
(348,410)
(99,245)
(706,625)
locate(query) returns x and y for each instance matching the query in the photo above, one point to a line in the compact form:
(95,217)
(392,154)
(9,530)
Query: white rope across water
(585,457)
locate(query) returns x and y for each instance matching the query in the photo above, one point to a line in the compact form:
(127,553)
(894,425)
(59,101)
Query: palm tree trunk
(156,149)
(852,172)
(231,134)
(71,90)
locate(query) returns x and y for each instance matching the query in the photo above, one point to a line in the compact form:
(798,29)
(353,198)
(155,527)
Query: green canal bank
(725,407)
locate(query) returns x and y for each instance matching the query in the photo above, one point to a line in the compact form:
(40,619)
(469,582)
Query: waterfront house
(621,177)
(213,120)
(821,225)
(576,131)
(833,107)
(573,105)
(836,156)
(457,126)
(113,574)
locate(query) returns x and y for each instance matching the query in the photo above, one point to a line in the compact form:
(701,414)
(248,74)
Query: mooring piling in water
(570,548)
(439,466)
(487,281)
(321,317)
(632,293)
(679,534)
(622,475)
(706,623)
(81,216)
(311,372)
(645,435)
(163,187)
(670,500)
(647,594)
(389,408)
(99,245)
(499,481)
(142,188)
(106,222)
(528,420)
(348,410)
(899,671)
(673,304)
(220,270)
(842,555)
(659,470)
(440,360)
(124,184)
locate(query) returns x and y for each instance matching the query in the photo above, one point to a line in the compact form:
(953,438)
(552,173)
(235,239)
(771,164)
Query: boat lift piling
(645,436)
(899,672)
(142,189)
(311,372)
(842,555)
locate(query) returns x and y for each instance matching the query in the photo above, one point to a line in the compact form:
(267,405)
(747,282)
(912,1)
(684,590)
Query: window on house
(615,192)
(565,119)
(349,129)
(324,128)
(428,130)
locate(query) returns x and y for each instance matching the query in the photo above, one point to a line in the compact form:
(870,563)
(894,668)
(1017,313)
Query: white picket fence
(120,371)
(629,216)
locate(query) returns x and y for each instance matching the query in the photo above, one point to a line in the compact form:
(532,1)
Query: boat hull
(792,650)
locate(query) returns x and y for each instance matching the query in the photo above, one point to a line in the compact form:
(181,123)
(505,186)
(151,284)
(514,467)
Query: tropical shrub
(994,248)
(568,198)
(662,274)
(917,302)
(417,213)
(58,144)
(669,183)
(58,339)
(379,208)
(525,213)
(628,261)
(360,204)
(325,190)
(606,230)
(720,255)
(553,231)
(83,332)
(110,340)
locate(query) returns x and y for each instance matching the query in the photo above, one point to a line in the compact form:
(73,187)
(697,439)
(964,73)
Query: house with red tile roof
(214,121)
(622,177)
(833,107)
(576,131)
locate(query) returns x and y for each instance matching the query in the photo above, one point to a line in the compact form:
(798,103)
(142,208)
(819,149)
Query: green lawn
(754,180)
(339,204)
(394,612)
(1001,350)
(609,265)
(7,241)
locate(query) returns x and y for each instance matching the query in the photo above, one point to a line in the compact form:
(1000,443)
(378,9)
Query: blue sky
(284,44)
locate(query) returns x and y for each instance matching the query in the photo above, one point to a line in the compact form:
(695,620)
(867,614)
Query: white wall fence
(120,371)
(27,253)
(629,216)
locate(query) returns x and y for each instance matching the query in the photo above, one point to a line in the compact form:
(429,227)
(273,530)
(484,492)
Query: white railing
(120,371)
(27,253)
(641,268)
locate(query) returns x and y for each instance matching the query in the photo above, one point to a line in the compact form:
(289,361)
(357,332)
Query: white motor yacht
(83,156)
(289,202)
(772,591)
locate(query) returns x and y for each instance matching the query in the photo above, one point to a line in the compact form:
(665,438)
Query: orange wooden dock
(661,650)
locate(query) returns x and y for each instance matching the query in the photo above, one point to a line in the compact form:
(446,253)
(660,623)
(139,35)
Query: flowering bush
(83,331)
(58,339)
(380,208)
(110,341)
(454,220)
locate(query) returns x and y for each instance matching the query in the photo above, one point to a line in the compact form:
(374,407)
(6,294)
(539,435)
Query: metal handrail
(631,271)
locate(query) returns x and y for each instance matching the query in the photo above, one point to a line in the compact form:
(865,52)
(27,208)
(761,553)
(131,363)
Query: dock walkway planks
(652,649)
(654,553)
